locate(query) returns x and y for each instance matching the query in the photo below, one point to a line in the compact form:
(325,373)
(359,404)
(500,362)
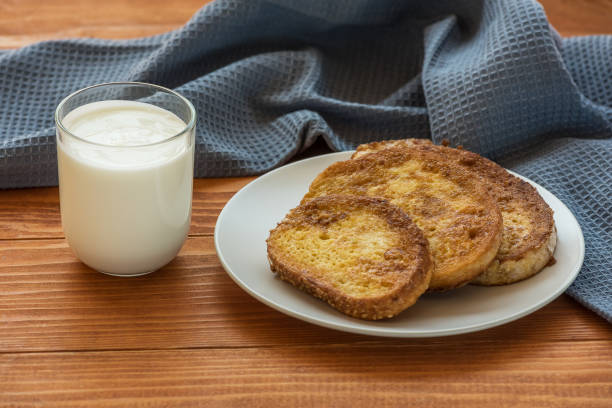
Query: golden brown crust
(460,220)
(372,147)
(511,270)
(528,220)
(398,275)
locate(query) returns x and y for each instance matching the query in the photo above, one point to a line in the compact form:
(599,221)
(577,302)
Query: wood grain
(584,17)
(35,212)
(23,22)
(548,374)
(50,301)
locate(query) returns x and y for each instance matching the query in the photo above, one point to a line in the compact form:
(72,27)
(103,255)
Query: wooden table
(188,336)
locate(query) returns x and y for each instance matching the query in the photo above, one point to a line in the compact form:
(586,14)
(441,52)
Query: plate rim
(392,332)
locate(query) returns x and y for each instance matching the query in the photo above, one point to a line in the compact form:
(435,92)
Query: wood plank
(209,198)
(50,301)
(585,17)
(546,374)
(30,213)
(26,21)
(35,212)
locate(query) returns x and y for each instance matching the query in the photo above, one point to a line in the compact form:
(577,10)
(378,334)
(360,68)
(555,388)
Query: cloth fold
(270,77)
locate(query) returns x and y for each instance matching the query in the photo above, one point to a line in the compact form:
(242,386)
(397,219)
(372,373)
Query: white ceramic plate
(245,222)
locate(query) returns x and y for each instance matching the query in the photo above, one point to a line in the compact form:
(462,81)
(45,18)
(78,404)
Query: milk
(125,207)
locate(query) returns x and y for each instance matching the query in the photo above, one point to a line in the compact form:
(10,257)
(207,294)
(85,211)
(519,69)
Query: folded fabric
(270,77)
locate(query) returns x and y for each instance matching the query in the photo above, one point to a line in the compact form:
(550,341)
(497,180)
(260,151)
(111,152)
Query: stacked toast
(404,217)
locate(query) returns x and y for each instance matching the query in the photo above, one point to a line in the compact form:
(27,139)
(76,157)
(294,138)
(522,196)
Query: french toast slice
(461,222)
(362,255)
(529,234)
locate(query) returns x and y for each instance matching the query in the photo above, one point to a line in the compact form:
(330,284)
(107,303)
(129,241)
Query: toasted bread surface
(528,237)
(362,255)
(461,222)
(373,147)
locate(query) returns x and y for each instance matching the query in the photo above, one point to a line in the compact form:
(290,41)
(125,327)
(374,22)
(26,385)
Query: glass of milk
(125,160)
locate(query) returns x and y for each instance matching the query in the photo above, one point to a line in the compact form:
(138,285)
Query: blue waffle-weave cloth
(269,77)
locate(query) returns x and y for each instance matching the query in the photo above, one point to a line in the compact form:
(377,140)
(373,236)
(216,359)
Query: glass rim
(189,126)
